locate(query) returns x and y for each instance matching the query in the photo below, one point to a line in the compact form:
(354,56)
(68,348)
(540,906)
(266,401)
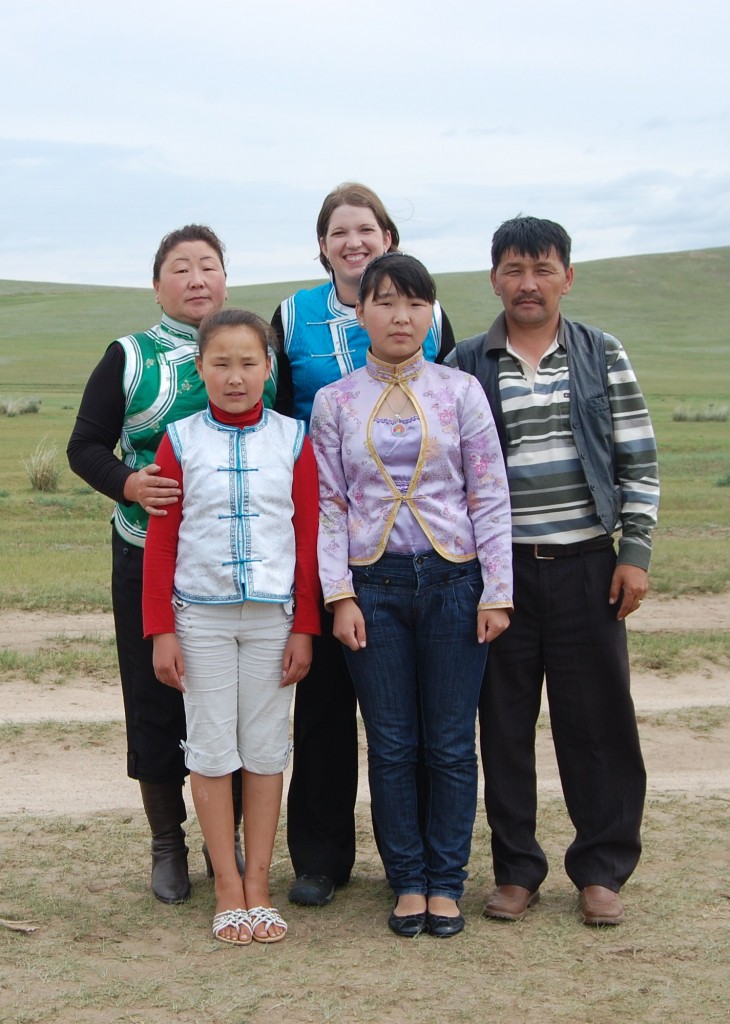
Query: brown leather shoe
(599,905)
(510,902)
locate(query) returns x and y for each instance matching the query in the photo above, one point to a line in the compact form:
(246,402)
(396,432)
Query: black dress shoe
(408,926)
(312,891)
(444,927)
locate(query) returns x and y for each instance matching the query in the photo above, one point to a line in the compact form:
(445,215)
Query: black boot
(237,792)
(165,809)
(237,788)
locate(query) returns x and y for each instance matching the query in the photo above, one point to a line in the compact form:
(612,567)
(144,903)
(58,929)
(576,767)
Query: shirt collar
(238,419)
(176,332)
(395,373)
(497,333)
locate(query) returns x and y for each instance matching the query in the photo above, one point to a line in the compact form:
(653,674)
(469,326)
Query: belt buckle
(542,558)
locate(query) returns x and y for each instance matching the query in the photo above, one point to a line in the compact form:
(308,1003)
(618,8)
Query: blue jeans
(422,659)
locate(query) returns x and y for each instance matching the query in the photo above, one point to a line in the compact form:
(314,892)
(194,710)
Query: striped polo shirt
(551,501)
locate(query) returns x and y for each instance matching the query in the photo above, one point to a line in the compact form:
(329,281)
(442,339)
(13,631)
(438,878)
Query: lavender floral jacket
(458,492)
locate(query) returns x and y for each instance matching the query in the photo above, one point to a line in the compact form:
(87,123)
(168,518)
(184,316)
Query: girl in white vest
(143,382)
(231,600)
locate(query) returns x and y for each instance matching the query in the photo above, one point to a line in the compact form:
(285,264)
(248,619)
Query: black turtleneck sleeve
(98,428)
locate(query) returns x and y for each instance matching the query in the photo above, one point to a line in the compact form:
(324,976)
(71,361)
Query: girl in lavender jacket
(415,561)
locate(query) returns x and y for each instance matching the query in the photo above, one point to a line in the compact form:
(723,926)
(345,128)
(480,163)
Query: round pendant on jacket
(398,429)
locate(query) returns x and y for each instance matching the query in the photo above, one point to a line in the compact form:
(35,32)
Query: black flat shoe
(408,926)
(444,927)
(312,891)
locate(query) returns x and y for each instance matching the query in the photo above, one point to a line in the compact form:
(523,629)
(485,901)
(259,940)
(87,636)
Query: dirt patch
(682,614)
(683,754)
(27,631)
(74,848)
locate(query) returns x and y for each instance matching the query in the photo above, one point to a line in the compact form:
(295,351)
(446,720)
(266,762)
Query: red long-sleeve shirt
(160,553)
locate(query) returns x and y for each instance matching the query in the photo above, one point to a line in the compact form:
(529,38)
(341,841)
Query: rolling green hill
(672,312)
(656,304)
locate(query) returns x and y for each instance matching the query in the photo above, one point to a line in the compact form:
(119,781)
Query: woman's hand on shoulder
(297,658)
(168,661)
(490,623)
(151,490)
(349,627)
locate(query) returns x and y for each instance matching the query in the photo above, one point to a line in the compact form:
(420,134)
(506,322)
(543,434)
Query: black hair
(407,275)
(531,236)
(237,318)
(189,233)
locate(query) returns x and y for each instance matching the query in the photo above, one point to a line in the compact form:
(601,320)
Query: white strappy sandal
(266,916)
(233,919)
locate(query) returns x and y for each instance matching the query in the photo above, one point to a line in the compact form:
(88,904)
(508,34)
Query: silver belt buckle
(542,558)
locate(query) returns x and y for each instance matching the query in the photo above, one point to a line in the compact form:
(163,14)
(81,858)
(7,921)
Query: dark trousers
(323,787)
(563,629)
(155,715)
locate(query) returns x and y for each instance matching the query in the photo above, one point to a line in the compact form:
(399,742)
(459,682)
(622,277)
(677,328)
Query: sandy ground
(87,773)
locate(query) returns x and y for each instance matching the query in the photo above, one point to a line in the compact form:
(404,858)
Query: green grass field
(671,311)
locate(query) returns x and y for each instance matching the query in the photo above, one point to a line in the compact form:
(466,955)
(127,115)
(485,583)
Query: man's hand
(630,583)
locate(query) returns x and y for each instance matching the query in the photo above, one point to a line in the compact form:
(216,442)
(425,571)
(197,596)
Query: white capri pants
(236,709)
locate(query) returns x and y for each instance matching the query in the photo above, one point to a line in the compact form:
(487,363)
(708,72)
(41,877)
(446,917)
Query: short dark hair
(189,233)
(531,236)
(236,318)
(352,193)
(407,275)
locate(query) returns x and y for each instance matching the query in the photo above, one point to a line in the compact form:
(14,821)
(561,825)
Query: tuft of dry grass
(19,406)
(708,413)
(42,466)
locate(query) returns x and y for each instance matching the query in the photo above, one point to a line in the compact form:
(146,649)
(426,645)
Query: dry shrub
(42,467)
(707,414)
(19,406)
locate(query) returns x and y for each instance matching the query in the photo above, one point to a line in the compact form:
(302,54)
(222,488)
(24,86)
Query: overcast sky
(120,122)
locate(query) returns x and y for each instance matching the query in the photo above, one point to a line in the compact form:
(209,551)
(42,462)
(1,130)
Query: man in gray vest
(581,461)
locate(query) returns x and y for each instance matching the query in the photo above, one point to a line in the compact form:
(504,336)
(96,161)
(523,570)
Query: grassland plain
(105,952)
(672,312)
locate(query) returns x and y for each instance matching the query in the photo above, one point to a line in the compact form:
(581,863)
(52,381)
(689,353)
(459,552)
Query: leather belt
(548,552)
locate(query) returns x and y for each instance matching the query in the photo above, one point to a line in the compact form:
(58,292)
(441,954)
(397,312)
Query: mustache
(529,298)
